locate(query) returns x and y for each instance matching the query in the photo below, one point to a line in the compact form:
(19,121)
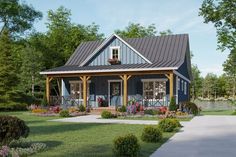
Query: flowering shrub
(101,102)
(4,151)
(131,109)
(39,110)
(162,109)
(54,109)
(73,110)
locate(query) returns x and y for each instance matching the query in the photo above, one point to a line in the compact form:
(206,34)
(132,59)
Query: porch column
(125,79)
(171,84)
(48,80)
(85,88)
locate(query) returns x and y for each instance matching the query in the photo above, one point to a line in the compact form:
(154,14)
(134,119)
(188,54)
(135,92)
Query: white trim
(105,42)
(182,76)
(156,79)
(177,90)
(111,52)
(121,93)
(185,88)
(107,70)
(78,81)
(182,85)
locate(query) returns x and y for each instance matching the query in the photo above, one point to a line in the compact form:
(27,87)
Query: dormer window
(115,52)
(114,55)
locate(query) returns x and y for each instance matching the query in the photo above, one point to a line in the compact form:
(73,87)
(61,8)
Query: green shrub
(151,112)
(64,113)
(31,149)
(107,114)
(172,106)
(81,108)
(191,107)
(12,128)
(126,146)
(177,123)
(122,108)
(234,113)
(151,134)
(168,125)
(12,106)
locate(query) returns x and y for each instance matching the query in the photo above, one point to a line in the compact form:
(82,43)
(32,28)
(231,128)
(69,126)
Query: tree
(167,32)
(17,17)
(31,65)
(230,69)
(136,31)
(8,74)
(222,14)
(210,86)
(196,84)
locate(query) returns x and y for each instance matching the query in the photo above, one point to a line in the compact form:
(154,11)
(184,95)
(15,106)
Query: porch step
(99,110)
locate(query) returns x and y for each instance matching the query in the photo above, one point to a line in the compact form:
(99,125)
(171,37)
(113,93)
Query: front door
(115,93)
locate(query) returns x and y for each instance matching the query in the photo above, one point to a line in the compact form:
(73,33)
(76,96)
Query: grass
(217,112)
(149,118)
(81,139)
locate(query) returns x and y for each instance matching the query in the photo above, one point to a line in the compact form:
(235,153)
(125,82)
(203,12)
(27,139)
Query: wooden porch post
(171,84)
(48,80)
(125,79)
(85,88)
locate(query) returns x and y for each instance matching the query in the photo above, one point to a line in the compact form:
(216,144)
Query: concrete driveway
(204,136)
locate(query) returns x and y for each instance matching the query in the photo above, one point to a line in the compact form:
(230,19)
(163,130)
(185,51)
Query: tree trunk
(32,85)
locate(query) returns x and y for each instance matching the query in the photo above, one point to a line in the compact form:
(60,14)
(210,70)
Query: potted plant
(114,61)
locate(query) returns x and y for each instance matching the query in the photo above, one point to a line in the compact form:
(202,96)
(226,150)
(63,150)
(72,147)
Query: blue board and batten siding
(127,55)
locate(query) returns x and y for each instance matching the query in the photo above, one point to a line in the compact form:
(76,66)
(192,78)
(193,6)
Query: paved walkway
(97,119)
(204,136)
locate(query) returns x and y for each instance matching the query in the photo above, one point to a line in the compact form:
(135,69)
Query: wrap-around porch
(112,89)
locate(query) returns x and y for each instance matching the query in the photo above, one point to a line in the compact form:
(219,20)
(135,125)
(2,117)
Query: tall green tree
(8,74)
(196,84)
(230,69)
(17,17)
(210,85)
(222,14)
(135,30)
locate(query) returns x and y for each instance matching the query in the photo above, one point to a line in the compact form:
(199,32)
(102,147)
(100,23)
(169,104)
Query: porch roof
(110,68)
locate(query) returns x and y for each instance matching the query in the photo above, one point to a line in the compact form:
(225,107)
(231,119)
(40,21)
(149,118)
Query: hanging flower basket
(114,61)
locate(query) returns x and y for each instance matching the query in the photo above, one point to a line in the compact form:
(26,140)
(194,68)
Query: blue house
(111,72)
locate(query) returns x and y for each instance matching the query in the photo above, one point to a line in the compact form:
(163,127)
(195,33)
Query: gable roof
(157,49)
(161,52)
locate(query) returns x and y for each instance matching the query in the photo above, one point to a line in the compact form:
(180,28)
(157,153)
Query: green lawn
(79,139)
(217,112)
(150,118)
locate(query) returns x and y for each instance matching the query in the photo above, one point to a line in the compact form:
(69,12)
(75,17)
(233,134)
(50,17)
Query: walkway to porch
(98,119)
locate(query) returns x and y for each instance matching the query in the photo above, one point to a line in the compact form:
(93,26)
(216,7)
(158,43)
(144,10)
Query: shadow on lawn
(101,150)
(60,128)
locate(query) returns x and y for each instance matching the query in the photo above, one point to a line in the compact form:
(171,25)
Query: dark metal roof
(161,51)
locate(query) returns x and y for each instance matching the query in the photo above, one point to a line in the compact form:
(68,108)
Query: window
(178,84)
(154,89)
(182,85)
(185,88)
(76,89)
(115,52)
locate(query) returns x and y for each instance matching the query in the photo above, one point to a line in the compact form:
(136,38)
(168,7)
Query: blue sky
(179,16)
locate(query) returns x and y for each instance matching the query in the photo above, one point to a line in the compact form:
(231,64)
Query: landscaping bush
(107,114)
(64,113)
(151,112)
(168,125)
(12,106)
(151,134)
(126,146)
(172,106)
(82,108)
(122,108)
(39,110)
(191,107)
(12,128)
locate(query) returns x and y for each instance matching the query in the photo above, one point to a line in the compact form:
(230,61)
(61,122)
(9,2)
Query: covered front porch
(113,89)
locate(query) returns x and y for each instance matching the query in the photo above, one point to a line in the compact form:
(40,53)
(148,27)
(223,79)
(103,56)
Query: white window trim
(182,85)
(178,83)
(121,93)
(152,80)
(185,88)
(115,47)
(80,82)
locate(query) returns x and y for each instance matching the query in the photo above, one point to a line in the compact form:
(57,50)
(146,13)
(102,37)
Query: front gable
(127,54)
